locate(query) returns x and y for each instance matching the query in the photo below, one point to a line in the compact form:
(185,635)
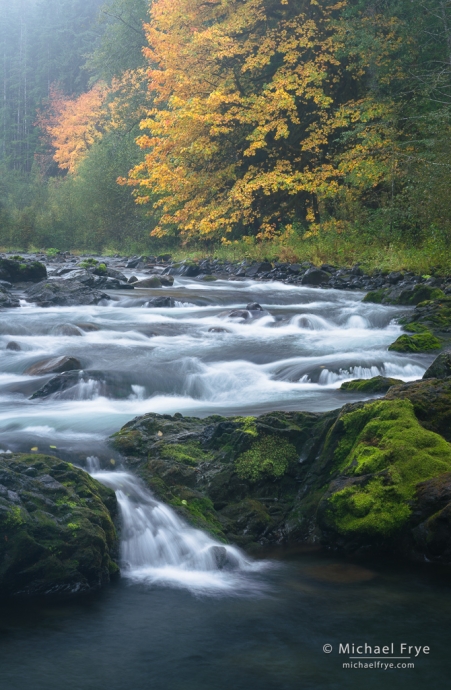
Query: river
(175,620)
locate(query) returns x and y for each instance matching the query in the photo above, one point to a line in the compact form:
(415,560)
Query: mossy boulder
(440,367)
(56,526)
(347,479)
(431,400)
(407,295)
(235,477)
(423,342)
(22,271)
(433,316)
(378,384)
(381,455)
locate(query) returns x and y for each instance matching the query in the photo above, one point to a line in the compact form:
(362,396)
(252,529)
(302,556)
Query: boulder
(13,346)
(189,270)
(7,300)
(315,276)
(58,535)
(254,306)
(378,384)
(160,302)
(258,268)
(22,271)
(66,329)
(153,282)
(107,384)
(64,293)
(53,365)
(440,367)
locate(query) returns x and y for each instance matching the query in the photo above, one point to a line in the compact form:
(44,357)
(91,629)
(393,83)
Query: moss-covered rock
(409,295)
(378,384)
(423,342)
(383,454)
(346,479)
(18,271)
(56,527)
(236,477)
(440,367)
(431,400)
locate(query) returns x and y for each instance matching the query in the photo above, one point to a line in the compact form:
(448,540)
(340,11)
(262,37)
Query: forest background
(278,129)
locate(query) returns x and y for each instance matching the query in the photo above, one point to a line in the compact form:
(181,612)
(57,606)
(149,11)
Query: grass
(371,248)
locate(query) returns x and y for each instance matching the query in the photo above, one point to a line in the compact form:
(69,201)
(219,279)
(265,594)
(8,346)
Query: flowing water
(190,612)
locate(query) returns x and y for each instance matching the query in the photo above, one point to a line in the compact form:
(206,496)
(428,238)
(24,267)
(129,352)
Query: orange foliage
(74,125)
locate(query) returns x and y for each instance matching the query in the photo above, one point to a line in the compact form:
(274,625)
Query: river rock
(257,269)
(440,368)
(154,282)
(22,271)
(66,329)
(378,384)
(57,529)
(315,276)
(13,346)
(348,479)
(7,300)
(187,269)
(160,302)
(107,384)
(64,293)
(53,365)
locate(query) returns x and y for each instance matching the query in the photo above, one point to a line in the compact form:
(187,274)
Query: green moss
(14,518)
(375,296)
(127,440)
(385,446)
(378,384)
(423,342)
(189,453)
(269,456)
(88,263)
(248,425)
(415,327)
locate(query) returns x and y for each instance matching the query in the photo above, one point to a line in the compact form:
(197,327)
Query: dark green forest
(321,132)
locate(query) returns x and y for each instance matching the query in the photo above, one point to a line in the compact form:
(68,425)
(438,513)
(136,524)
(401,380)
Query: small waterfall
(158,547)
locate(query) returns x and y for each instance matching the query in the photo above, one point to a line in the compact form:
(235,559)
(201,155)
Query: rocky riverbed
(281,434)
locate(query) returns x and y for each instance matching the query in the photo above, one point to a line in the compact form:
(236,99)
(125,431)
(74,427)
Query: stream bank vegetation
(308,130)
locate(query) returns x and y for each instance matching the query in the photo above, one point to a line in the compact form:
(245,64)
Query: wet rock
(88,327)
(160,302)
(64,293)
(22,271)
(133,279)
(13,346)
(431,400)
(107,384)
(254,306)
(187,269)
(218,330)
(258,268)
(423,342)
(53,365)
(154,282)
(347,479)
(58,384)
(67,329)
(240,314)
(440,368)
(8,301)
(378,384)
(56,522)
(5,285)
(314,276)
